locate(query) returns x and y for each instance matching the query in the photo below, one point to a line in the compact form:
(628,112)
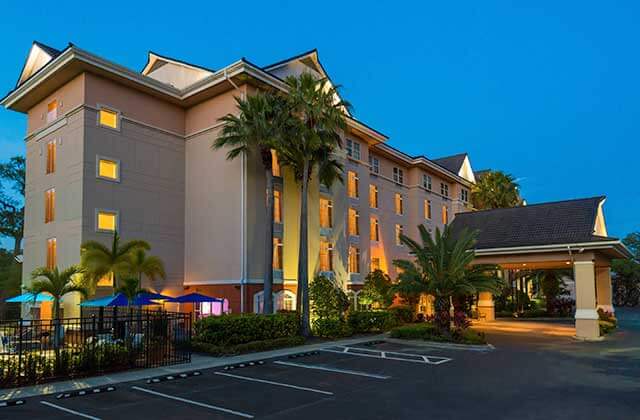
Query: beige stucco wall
(68,96)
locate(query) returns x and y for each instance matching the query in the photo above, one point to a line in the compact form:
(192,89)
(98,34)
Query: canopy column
(603,288)
(587,327)
(486,308)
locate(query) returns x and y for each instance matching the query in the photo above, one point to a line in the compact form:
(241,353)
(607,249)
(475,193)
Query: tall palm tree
(147,265)
(311,136)
(130,287)
(442,268)
(494,190)
(99,260)
(254,130)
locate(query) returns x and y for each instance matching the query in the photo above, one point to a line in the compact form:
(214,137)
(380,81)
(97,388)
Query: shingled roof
(560,222)
(451,163)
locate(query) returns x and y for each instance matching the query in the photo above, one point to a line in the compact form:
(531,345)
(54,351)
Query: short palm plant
(142,264)
(130,287)
(443,268)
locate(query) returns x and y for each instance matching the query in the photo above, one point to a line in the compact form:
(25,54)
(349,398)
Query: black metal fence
(36,351)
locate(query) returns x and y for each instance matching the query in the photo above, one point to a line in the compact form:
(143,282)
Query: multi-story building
(111,149)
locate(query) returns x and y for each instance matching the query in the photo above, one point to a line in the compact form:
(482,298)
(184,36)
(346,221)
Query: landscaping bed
(428,332)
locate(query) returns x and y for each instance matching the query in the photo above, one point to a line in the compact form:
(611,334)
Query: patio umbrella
(29,298)
(119,299)
(222,304)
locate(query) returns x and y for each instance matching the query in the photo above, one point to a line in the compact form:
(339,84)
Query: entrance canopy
(562,234)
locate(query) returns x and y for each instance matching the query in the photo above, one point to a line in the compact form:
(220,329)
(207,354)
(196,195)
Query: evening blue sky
(546,91)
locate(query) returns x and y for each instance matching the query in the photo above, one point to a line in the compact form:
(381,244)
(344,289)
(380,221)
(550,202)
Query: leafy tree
(142,264)
(10,280)
(255,130)
(11,207)
(442,268)
(328,301)
(377,290)
(626,281)
(494,190)
(311,136)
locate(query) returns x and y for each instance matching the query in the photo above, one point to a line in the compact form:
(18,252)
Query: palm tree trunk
(268,246)
(303,261)
(443,319)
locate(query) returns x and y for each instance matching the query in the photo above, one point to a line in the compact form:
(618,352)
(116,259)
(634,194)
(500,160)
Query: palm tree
(255,129)
(99,260)
(147,265)
(130,287)
(311,136)
(494,190)
(57,284)
(443,269)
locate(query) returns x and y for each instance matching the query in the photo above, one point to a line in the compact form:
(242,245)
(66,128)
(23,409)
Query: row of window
(106,117)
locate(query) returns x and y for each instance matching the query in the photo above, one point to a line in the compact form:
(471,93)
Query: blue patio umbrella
(195,298)
(153,296)
(29,298)
(119,299)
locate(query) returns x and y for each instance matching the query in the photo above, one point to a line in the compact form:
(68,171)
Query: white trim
(59,123)
(586,314)
(546,248)
(212,282)
(583,263)
(264,381)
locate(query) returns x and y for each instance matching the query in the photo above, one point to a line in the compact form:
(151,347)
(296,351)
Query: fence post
(20,347)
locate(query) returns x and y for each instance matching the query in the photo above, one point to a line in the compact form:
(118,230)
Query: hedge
(252,346)
(231,330)
(371,321)
(428,331)
(331,328)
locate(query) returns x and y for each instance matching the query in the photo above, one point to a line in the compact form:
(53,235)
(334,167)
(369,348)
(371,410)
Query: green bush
(253,346)
(606,327)
(403,313)
(371,321)
(428,331)
(232,330)
(534,313)
(331,328)
(422,331)
(328,301)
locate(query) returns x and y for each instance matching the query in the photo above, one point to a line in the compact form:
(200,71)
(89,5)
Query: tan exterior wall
(68,96)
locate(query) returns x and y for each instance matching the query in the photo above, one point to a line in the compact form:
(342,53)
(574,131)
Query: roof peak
(598,197)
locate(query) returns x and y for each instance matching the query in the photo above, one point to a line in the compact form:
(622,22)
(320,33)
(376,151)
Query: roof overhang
(614,249)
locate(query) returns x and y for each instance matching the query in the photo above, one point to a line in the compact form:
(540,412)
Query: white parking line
(376,354)
(199,404)
(328,369)
(68,410)
(264,381)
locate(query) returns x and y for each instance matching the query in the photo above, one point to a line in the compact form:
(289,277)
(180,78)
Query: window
(285,300)
(326,213)
(277,206)
(277,253)
(106,280)
(108,118)
(375,264)
(373,196)
(51,157)
(374,163)
(399,204)
(354,218)
(326,255)
(275,164)
(399,230)
(353,149)
(398,175)
(108,169)
(354,259)
(52,111)
(464,195)
(352,184)
(374,229)
(426,182)
(106,220)
(444,189)
(49,205)
(427,209)
(52,253)
(445,215)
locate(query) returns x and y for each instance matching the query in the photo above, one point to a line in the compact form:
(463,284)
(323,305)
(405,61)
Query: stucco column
(603,288)
(586,316)
(486,308)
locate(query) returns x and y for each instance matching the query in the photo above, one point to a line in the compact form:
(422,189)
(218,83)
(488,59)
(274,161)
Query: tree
(377,290)
(311,135)
(130,287)
(328,300)
(255,130)
(626,280)
(99,260)
(494,190)
(147,265)
(443,268)
(12,208)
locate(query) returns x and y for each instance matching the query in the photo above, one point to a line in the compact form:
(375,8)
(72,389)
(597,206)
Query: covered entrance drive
(558,235)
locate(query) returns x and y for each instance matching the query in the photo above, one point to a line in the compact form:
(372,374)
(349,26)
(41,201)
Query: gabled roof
(560,222)
(39,55)
(452,163)
(49,50)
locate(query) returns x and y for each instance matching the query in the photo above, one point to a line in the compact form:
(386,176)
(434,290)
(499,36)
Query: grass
(427,331)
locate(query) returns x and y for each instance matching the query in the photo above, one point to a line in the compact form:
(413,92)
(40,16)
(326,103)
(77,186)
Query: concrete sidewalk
(198,362)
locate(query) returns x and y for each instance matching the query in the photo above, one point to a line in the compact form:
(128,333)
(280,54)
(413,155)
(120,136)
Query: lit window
(445,215)
(326,213)
(354,218)
(285,301)
(52,253)
(326,255)
(352,184)
(398,175)
(277,206)
(399,230)
(375,264)
(108,169)
(354,259)
(444,189)
(277,253)
(52,111)
(464,195)
(107,221)
(106,280)
(374,163)
(49,205)
(426,182)
(399,204)
(374,229)
(373,196)
(353,149)
(51,157)
(427,209)
(275,164)
(108,118)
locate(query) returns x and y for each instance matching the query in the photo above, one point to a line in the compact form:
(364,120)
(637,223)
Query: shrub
(607,316)
(372,321)
(606,327)
(403,313)
(460,320)
(231,330)
(327,299)
(421,331)
(331,328)
(428,331)
(535,313)
(253,346)
(377,290)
